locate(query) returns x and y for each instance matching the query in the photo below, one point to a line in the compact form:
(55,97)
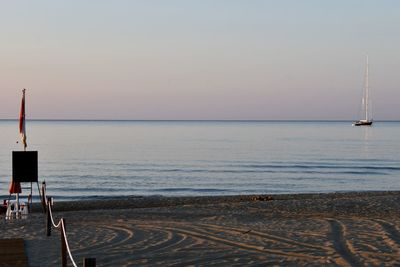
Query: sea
(101,159)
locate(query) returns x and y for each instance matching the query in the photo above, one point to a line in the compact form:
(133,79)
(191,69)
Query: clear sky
(208,59)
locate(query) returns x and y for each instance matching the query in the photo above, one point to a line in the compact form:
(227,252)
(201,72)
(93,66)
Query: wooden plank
(12,253)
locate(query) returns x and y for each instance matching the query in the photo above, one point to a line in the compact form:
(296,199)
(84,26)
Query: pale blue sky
(205,59)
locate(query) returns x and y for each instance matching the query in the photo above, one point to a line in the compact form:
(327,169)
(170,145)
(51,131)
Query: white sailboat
(367,121)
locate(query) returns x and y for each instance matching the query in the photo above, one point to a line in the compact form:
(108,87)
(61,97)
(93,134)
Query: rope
(66,243)
(51,217)
(61,223)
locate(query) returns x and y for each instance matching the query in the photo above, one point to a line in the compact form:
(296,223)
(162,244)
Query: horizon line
(204,120)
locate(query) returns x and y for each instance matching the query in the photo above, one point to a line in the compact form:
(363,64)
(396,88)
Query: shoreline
(308,199)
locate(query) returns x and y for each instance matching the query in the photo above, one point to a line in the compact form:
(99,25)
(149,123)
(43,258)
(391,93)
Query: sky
(208,59)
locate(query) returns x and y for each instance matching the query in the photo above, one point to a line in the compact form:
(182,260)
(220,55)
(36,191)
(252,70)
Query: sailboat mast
(367,121)
(366,89)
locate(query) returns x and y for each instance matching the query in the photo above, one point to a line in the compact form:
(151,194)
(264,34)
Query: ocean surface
(96,159)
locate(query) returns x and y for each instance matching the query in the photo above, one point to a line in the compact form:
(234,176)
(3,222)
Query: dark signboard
(25,166)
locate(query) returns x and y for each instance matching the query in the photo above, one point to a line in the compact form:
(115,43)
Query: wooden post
(89,262)
(43,200)
(48,221)
(63,245)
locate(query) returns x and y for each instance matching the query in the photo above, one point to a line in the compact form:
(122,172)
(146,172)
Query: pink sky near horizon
(204,60)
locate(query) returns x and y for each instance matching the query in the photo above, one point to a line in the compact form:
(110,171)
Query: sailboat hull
(362,123)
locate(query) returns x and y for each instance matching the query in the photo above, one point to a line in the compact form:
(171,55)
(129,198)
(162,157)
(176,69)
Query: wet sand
(339,229)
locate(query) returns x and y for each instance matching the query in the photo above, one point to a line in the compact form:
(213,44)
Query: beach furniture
(24,170)
(17,210)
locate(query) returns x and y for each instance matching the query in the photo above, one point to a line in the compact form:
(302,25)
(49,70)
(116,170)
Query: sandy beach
(338,229)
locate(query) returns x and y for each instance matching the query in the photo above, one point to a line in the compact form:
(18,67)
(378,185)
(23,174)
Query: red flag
(22,120)
(15,187)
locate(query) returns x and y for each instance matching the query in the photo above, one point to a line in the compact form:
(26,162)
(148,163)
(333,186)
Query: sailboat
(367,121)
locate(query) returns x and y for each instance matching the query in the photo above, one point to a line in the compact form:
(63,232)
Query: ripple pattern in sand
(311,242)
(281,233)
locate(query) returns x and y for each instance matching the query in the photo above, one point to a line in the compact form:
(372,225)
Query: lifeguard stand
(24,170)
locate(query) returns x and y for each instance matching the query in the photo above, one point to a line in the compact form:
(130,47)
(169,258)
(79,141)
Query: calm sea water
(88,159)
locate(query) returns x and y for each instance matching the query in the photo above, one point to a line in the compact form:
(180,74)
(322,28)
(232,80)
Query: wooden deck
(12,253)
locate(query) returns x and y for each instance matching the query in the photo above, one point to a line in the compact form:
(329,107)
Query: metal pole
(17,207)
(31,194)
(366,90)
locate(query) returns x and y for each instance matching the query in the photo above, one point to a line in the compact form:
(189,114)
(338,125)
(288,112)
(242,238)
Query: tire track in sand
(340,244)
(240,245)
(276,238)
(391,231)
